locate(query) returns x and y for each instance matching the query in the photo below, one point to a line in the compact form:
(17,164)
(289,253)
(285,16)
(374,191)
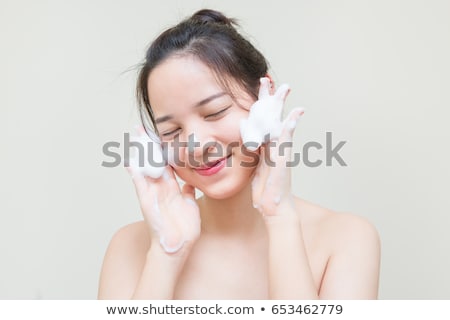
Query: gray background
(375,73)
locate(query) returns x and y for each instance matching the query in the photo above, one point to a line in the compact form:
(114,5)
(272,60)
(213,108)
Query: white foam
(264,117)
(153,167)
(168,249)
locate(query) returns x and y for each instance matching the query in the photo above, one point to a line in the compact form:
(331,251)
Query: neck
(231,216)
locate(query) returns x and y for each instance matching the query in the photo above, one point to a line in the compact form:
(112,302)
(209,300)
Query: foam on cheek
(264,117)
(153,167)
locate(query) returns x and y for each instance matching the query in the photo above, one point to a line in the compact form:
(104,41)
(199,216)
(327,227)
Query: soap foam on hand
(264,116)
(153,165)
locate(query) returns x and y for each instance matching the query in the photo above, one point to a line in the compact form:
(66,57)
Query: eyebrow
(198,104)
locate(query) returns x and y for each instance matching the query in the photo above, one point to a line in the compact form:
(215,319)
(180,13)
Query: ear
(272,84)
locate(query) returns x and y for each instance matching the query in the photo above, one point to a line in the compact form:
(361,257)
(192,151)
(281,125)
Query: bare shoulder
(352,248)
(339,227)
(351,230)
(123,261)
(134,235)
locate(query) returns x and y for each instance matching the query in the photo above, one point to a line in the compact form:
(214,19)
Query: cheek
(230,129)
(182,174)
(231,136)
(245,158)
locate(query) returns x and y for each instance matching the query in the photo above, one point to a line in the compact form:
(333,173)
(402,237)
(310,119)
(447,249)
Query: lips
(210,164)
(212,167)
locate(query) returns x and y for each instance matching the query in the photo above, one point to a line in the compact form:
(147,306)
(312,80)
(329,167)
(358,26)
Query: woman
(248,236)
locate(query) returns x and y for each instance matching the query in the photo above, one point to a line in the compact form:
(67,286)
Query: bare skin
(283,249)
(236,267)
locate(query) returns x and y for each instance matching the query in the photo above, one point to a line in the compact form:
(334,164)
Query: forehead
(180,82)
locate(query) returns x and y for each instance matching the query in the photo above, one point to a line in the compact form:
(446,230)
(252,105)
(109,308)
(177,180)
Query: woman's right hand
(172,214)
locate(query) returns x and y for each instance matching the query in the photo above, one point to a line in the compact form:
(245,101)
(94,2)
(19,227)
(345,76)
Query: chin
(232,182)
(220,191)
(235,182)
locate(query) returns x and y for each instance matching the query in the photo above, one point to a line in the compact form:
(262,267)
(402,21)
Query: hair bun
(212,16)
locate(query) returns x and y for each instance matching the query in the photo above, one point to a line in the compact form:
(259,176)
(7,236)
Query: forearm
(290,275)
(159,275)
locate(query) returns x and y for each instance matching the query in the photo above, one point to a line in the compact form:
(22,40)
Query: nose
(199,147)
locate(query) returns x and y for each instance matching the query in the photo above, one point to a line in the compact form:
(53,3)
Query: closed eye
(167,134)
(214,115)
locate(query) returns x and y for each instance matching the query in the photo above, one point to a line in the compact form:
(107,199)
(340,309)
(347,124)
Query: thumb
(290,123)
(285,142)
(188,193)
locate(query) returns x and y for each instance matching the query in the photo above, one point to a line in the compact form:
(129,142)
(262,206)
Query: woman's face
(200,121)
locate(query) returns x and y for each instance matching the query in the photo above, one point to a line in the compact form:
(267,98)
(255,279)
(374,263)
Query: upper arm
(353,268)
(123,262)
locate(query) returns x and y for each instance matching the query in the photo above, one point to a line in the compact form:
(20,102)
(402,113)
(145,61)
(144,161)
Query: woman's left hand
(271,185)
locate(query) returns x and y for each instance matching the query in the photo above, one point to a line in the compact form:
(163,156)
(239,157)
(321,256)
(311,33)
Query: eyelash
(167,134)
(218,113)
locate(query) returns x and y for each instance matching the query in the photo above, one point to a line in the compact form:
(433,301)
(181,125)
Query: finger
(154,214)
(193,217)
(169,180)
(243,129)
(282,92)
(167,184)
(256,191)
(266,162)
(139,181)
(290,123)
(264,90)
(258,179)
(188,193)
(284,143)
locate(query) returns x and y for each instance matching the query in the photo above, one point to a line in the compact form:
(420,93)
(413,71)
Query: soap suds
(264,119)
(154,162)
(162,242)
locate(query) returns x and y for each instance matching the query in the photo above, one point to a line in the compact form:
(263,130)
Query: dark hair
(212,38)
